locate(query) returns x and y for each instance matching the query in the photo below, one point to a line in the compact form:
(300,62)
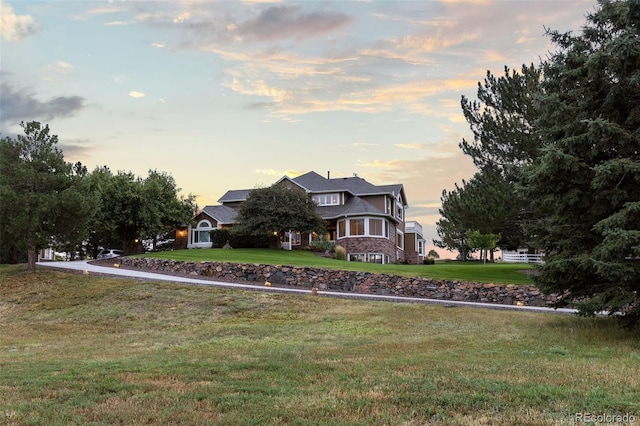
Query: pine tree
(585,186)
(43,200)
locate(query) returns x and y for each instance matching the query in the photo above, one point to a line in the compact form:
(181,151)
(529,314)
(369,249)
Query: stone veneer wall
(359,282)
(370,245)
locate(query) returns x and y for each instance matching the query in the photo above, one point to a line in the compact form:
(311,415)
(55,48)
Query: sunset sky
(236,94)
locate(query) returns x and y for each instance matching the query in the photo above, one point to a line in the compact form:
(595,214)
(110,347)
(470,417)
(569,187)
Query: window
(388,207)
(202,233)
(399,208)
(327,199)
(421,247)
(363,226)
(356,227)
(202,237)
(400,239)
(376,227)
(376,258)
(356,257)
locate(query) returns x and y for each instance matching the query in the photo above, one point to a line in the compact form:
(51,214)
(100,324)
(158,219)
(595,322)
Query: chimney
(328,174)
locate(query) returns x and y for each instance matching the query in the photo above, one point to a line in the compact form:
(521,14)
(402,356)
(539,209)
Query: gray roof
(356,185)
(234,195)
(313,182)
(395,189)
(222,214)
(353,206)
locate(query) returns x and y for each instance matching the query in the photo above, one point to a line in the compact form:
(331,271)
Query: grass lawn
(78,349)
(497,273)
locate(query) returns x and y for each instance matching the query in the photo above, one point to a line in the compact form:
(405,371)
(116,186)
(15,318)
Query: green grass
(77,349)
(497,273)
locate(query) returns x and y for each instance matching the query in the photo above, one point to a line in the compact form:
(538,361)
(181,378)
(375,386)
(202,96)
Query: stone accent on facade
(413,257)
(383,246)
(350,281)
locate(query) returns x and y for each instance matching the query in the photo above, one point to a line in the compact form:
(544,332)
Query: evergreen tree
(586,183)
(486,203)
(43,200)
(502,120)
(453,224)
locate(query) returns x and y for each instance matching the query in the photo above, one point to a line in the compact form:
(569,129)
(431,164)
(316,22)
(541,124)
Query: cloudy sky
(234,94)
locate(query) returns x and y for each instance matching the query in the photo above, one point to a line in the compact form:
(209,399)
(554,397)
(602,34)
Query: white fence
(522,258)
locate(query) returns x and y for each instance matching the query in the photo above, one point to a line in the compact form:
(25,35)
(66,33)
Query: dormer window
(327,199)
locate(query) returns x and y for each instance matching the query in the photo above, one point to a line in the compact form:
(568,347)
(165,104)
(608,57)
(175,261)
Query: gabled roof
(313,182)
(222,214)
(395,189)
(234,195)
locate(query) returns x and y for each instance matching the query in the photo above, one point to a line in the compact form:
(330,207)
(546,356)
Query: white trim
(400,237)
(328,199)
(366,257)
(367,232)
(204,225)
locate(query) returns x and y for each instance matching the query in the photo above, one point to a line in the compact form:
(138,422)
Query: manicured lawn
(498,273)
(77,349)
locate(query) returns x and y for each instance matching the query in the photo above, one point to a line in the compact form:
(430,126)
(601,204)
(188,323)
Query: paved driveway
(85,266)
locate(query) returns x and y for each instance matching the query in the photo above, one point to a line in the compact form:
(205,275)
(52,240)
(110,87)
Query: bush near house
(220,237)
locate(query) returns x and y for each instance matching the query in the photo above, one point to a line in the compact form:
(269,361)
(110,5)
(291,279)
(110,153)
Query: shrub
(429,261)
(219,237)
(341,253)
(322,244)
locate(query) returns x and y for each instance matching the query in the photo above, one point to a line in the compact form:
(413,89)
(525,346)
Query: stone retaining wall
(351,281)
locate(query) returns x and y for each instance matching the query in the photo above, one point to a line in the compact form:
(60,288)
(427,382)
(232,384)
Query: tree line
(557,147)
(48,202)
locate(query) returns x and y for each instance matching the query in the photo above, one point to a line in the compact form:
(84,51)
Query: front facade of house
(367,220)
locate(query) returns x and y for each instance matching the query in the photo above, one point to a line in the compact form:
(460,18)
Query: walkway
(85,266)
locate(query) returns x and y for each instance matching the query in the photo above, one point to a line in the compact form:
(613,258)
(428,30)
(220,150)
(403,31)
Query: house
(367,220)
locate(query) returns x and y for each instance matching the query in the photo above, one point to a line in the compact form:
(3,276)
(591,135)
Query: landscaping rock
(349,281)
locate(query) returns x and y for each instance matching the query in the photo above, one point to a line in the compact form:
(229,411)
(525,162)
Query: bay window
(356,227)
(376,227)
(363,226)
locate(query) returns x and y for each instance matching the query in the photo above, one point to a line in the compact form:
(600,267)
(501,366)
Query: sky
(234,94)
